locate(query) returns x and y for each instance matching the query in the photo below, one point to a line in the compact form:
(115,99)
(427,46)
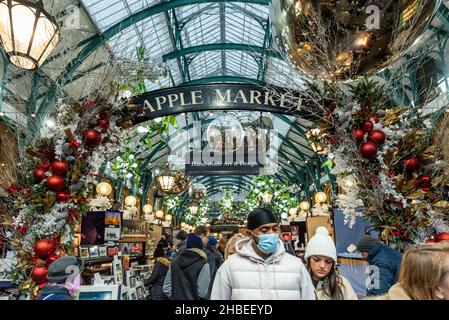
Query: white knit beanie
(321,244)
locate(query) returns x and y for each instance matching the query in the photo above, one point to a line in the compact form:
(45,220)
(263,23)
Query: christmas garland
(387,167)
(59,179)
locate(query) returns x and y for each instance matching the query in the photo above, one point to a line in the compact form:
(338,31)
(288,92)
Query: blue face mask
(268,243)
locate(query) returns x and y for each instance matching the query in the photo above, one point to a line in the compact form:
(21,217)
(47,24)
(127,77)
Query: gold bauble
(341,40)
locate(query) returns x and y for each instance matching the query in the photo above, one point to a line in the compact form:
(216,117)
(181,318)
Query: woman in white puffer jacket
(260,269)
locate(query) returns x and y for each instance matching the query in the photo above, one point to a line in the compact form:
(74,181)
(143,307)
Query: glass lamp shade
(193,208)
(267,197)
(320,197)
(183,224)
(284,216)
(166,182)
(159,214)
(168,217)
(147,209)
(130,201)
(104,188)
(28,33)
(292,211)
(305,205)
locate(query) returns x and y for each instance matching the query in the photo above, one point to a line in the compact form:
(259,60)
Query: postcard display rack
(114,246)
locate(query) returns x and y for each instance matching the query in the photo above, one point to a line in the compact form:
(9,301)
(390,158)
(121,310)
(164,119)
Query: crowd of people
(257,266)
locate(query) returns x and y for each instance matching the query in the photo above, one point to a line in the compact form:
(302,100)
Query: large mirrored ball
(343,39)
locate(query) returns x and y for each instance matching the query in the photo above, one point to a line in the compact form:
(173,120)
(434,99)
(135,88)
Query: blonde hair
(231,242)
(422,270)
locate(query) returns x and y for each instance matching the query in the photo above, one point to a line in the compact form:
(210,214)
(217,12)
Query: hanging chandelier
(193,207)
(171,182)
(197,191)
(225,133)
(267,196)
(28,33)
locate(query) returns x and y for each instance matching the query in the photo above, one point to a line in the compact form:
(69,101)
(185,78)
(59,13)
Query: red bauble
(39,174)
(39,274)
(103,124)
(358,134)
(52,259)
(367,126)
(442,236)
(368,149)
(59,167)
(62,196)
(424,183)
(412,164)
(92,138)
(44,248)
(55,183)
(377,136)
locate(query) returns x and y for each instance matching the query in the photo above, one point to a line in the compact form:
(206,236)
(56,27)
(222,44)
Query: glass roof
(195,27)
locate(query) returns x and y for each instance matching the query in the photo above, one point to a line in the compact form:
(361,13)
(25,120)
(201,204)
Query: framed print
(132,294)
(93,252)
(124,293)
(132,281)
(136,248)
(125,248)
(140,291)
(112,250)
(117,270)
(112,218)
(84,253)
(134,229)
(103,292)
(111,234)
(102,252)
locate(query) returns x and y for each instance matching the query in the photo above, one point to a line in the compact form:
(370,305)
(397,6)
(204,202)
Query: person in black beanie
(385,264)
(188,277)
(160,269)
(260,269)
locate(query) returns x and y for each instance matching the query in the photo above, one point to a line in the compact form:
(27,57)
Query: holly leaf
(415,195)
(77,169)
(407,187)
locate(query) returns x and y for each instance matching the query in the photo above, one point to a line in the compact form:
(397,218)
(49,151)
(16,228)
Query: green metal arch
(218,47)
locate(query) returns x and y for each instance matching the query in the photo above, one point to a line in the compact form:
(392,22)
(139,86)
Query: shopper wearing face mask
(260,269)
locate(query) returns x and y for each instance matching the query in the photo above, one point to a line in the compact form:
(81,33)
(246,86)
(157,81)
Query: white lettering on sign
(172,98)
(159,101)
(195,96)
(181,98)
(223,99)
(242,96)
(147,104)
(255,97)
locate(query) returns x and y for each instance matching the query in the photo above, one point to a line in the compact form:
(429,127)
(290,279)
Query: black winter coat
(185,270)
(156,280)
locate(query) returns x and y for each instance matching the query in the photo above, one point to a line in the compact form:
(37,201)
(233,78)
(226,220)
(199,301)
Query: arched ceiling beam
(223,79)
(219,47)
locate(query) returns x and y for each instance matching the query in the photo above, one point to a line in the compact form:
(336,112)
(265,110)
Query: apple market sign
(219,96)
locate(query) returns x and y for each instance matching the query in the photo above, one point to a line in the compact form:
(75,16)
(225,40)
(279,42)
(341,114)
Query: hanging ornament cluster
(374,139)
(44,255)
(397,159)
